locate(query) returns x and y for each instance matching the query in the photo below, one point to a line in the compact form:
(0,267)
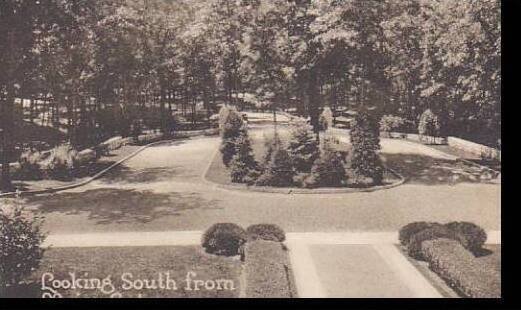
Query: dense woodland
(99,68)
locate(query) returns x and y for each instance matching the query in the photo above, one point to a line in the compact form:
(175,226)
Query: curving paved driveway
(162,189)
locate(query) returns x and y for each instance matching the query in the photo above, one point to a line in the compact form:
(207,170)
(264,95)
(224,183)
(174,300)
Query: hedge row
(461,270)
(267,270)
(266,267)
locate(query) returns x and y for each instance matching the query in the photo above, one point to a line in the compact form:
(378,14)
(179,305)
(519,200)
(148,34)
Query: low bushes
(390,123)
(436,231)
(407,231)
(30,165)
(20,244)
(54,164)
(60,163)
(451,251)
(471,236)
(269,232)
(460,269)
(267,270)
(224,239)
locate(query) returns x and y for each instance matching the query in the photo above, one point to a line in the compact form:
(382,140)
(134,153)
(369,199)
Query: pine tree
(278,171)
(231,129)
(244,168)
(328,170)
(303,148)
(364,158)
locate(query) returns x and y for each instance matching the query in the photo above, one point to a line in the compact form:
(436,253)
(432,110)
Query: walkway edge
(84,182)
(297,190)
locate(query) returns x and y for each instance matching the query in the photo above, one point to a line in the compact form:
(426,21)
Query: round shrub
(61,162)
(20,244)
(30,165)
(407,231)
(471,236)
(326,119)
(224,239)
(269,232)
(429,124)
(436,231)
(390,123)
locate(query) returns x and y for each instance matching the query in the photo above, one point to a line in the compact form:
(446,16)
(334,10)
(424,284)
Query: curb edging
(84,182)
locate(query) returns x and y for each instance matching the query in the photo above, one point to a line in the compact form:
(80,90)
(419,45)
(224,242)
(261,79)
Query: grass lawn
(426,170)
(129,268)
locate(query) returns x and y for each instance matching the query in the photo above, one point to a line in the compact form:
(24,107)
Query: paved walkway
(162,189)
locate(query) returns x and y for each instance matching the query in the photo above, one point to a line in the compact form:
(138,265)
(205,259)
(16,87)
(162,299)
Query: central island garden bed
(260,140)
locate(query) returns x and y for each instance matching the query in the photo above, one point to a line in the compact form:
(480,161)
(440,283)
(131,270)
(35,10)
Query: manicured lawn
(427,170)
(130,267)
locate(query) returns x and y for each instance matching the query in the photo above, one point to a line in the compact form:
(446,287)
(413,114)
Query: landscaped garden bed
(292,157)
(457,254)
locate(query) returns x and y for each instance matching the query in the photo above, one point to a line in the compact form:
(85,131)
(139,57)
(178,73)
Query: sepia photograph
(250,149)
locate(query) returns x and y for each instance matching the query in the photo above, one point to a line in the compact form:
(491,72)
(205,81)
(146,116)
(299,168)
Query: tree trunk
(6,139)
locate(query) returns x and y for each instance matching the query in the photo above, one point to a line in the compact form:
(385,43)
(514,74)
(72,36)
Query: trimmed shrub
(269,232)
(390,123)
(436,231)
(30,165)
(429,124)
(278,171)
(328,170)
(407,231)
(471,236)
(20,244)
(461,270)
(326,119)
(223,115)
(244,168)
(60,163)
(224,239)
(267,270)
(303,148)
(364,158)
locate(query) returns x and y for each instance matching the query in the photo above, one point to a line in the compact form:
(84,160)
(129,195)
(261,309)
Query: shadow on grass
(23,290)
(420,169)
(110,205)
(124,174)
